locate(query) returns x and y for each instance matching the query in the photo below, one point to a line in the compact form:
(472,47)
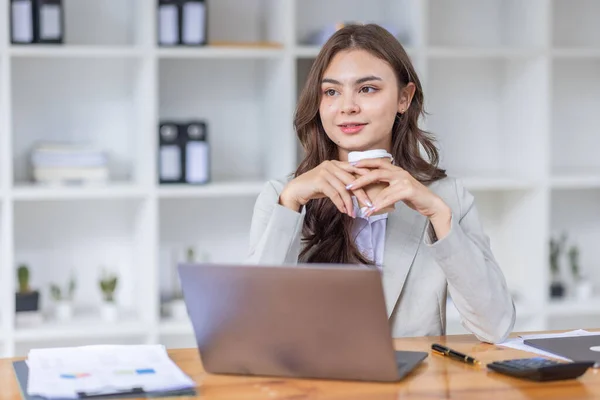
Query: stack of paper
(103,369)
(518,342)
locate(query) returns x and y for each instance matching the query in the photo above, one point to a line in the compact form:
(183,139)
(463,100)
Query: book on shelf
(70,175)
(65,163)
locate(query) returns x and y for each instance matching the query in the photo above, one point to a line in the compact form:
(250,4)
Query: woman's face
(360,99)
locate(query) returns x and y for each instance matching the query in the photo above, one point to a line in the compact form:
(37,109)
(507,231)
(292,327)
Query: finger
(351,169)
(343,173)
(374,176)
(385,198)
(334,196)
(362,171)
(382,163)
(340,187)
(346,179)
(362,197)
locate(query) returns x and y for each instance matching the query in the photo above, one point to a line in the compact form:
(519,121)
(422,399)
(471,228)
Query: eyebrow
(356,82)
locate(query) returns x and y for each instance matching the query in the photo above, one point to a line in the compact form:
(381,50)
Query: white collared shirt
(369,234)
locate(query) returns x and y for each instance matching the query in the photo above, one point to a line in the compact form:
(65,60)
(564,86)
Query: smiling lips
(351,127)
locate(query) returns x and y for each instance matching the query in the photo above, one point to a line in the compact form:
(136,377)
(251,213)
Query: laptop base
(407,361)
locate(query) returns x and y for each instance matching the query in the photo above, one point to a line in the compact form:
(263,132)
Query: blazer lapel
(404,233)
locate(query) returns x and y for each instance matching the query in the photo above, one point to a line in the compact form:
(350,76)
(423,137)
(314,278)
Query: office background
(512,89)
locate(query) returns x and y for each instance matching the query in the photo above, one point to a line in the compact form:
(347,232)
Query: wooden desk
(436,378)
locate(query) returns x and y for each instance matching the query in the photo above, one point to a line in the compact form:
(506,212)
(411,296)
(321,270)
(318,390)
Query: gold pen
(445,351)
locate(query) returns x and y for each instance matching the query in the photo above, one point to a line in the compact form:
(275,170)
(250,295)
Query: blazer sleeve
(475,281)
(275,231)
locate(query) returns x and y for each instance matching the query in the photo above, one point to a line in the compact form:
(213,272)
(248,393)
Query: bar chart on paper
(103,369)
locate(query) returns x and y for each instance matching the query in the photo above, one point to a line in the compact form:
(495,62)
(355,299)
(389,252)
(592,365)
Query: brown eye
(367,89)
(330,92)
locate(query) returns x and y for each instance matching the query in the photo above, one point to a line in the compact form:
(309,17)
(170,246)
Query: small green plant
(190,255)
(57,293)
(23,276)
(556,247)
(108,285)
(574,262)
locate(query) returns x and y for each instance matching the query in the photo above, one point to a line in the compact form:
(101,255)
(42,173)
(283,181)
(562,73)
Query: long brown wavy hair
(327,233)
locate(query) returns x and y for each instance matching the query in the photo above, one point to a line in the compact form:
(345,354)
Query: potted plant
(63,300)
(27,300)
(557,288)
(583,287)
(177,307)
(108,285)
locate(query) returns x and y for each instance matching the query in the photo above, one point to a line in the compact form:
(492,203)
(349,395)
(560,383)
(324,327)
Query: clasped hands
(337,180)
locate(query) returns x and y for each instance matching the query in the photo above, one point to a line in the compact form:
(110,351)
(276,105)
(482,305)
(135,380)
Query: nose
(349,105)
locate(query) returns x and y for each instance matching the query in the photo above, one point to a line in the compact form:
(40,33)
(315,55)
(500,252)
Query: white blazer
(417,274)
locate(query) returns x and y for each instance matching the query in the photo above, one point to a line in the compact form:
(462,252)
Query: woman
(362,93)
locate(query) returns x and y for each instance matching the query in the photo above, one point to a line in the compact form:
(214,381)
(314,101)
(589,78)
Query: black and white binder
(182,22)
(184,152)
(193,22)
(197,153)
(168,22)
(22,21)
(36,21)
(49,21)
(170,154)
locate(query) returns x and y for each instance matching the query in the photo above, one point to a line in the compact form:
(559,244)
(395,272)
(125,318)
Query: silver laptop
(575,348)
(304,321)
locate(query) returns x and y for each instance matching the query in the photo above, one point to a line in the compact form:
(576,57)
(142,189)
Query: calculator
(540,369)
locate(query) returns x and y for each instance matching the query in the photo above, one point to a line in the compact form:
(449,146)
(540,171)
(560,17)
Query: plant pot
(63,310)
(178,309)
(557,290)
(109,312)
(27,301)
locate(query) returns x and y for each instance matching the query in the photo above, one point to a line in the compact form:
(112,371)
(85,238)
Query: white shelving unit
(512,89)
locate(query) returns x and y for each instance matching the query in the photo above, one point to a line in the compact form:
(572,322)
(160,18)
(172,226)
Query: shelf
(486,23)
(97,102)
(175,327)
(576,181)
(572,307)
(219,52)
(453,316)
(447,52)
(314,16)
(248,122)
(313,51)
(59,240)
(79,328)
(185,223)
(575,23)
(487,52)
(307,51)
(576,53)
(576,213)
(496,183)
(75,51)
(246,22)
(104,22)
(221,189)
(32,192)
(574,115)
(486,116)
